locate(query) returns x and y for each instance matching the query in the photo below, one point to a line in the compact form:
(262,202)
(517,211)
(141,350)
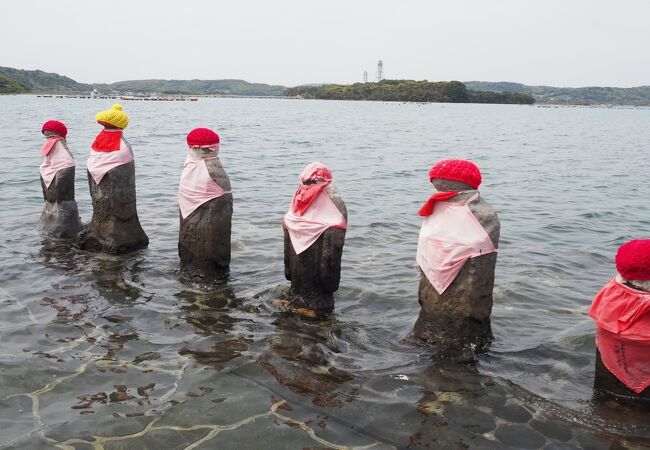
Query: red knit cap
(457,170)
(56,127)
(202,137)
(633,260)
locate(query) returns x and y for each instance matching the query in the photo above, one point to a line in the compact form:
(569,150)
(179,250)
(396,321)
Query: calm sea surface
(99,351)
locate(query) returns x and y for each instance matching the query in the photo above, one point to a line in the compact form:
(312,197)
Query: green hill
(194,87)
(9,86)
(408,91)
(39,81)
(635,96)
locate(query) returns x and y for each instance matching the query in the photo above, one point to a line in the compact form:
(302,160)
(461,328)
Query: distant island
(585,96)
(409,91)
(16,81)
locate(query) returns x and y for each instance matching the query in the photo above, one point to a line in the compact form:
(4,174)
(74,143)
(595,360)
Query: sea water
(100,351)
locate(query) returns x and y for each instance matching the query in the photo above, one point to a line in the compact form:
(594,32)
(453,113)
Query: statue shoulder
(487,217)
(335,195)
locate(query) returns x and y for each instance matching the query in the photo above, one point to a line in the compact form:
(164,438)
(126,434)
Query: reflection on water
(103,351)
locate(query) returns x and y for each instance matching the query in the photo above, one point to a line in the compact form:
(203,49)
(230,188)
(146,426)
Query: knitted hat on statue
(55,126)
(457,170)
(114,117)
(633,260)
(202,137)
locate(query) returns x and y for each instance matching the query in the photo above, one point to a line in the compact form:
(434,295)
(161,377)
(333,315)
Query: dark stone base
(204,241)
(115,227)
(453,338)
(61,220)
(607,385)
(456,324)
(60,216)
(316,272)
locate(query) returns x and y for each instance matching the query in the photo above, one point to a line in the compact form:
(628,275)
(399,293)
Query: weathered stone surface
(606,384)
(316,272)
(204,235)
(60,216)
(457,322)
(115,227)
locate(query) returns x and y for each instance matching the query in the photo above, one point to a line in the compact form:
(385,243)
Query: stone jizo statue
(314,235)
(60,216)
(205,203)
(457,257)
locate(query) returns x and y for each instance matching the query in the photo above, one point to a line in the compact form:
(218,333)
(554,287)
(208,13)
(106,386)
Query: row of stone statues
(456,249)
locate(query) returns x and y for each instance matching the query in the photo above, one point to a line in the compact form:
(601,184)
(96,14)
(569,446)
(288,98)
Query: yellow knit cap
(114,116)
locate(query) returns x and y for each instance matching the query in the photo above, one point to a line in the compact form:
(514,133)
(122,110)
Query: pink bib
(56,158)
(321,214)
(622,316)
(99,163)
(448,238)
(197,186)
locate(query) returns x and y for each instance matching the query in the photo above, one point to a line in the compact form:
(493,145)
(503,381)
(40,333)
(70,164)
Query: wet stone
(490,400)
(159,439)
(519,436)
(562,446)
(513,413)
(264,432)
(553,430)
(470,418)
(586,439)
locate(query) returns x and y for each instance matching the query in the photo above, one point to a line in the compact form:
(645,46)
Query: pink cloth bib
(448,238)
(321,214)
(197,186)
(56,158)
(622,316)
(99,163)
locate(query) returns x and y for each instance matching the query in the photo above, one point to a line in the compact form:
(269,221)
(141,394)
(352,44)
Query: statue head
(54,128)
(203,140)
(113,118)
(633,263)
(455,175)
(316,172)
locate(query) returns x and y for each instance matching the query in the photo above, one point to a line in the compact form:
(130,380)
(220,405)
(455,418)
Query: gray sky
(290,42)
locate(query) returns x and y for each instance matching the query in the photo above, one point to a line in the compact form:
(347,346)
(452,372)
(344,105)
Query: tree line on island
(409,91)
(16,81)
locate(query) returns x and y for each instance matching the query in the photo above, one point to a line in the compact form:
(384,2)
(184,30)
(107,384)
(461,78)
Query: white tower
(365,76)
(380,71)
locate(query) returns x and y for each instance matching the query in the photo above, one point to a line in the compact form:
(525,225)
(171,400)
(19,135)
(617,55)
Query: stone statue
(60,216)
(115,227)
(314,235)
(457,258)
(622,313)
(205,201)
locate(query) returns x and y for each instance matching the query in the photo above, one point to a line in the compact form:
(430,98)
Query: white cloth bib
(99,163)
(58,158)
(306,229)
(448,238)
(197,186)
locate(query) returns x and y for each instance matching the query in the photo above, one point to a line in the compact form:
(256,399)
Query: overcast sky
(290,42)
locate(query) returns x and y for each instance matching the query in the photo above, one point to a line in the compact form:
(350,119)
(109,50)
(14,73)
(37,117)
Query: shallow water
(110,352)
